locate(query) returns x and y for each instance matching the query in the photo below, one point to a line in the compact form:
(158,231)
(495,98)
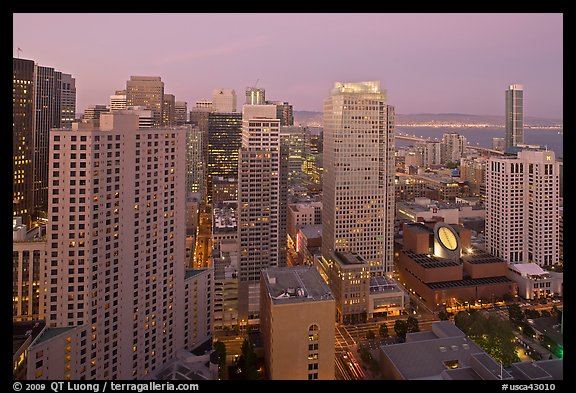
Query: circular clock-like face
(447,238)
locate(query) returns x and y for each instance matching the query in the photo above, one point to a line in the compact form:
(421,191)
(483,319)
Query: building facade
(68,105)
(224,100)
(147,91)
(358,179)
(514,116)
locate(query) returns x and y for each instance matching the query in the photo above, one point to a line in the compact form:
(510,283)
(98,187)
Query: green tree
(532,314)
(412,324)
(545,313)
(515,313)
(384,331)
(220,349)
(443,315)
(463,321)
(246,365)
(401,328)
(370,335)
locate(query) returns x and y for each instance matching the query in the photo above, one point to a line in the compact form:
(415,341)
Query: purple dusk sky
(428,63)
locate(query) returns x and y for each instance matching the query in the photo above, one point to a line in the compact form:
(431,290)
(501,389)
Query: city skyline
(424,60)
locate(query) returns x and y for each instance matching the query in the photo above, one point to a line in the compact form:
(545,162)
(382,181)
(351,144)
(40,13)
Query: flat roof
(428,261)
(348,258)
(193,272)
(530,370)
(479,256)
(311,231)
(295,284)
(381,284)
(470,282)
(53,332)
(528,269)
(549,326)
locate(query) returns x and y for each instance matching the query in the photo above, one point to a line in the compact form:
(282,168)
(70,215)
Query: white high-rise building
(114,278)
(117,102)
(523,207)
(358,180)
(224,100)
(261,232)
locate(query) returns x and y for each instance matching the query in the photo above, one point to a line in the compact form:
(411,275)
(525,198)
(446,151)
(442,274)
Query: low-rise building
(535,282)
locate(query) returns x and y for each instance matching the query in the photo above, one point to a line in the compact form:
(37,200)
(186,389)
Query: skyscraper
(146,91)
(115,273)
(48,86)
(68,106)
(169,110)
(224,141)
(514,115)
(453,147)
(522,207)
(260,203)
(180,112)
(255,96)
(23,100)
(93,112)
(224,100)
(358,181)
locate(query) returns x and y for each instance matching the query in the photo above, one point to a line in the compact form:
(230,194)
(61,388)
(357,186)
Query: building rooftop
(53,332)
(479,256)
(528,269)
(224,217)
(311,231)
(381,284)
(428,261)
(23,332)
(193,272)
(348,258)
(470,282)
(548,326)
(295,284)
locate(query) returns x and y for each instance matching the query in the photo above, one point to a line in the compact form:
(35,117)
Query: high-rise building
(23,104)
(118,101)
(224,140)
(284,112)
(294,138)
(48,86)
(115,279)
(169,110)
(93,112)
(430,151)
(180,112)
(68,105)
(28,263)
(514,115)
(261,202)
(255,96)
(224,100)
(453,147)
(145,116)
(301,347)
(358,181)
(147,91)
(195,171)
(473,171)
(204,104)
(523,207)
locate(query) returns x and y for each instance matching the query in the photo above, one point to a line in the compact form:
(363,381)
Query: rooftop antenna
(19,50)
(257,80)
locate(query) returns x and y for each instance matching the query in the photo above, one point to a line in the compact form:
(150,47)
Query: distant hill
(309,118)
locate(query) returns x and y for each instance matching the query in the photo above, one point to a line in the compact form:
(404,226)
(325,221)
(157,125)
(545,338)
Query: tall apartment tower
(514,115)
(224,141)
(48,85)
(358,180)
(523,207)
(146,91)
(115,276)
(261,234)
(68,105)
(224,100)
(180,112)
(23,108)
(169,110)
(255,96)
(453,147)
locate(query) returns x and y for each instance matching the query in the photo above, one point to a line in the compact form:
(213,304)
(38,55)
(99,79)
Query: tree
(401,328)
(370,335)
(220,349)
(412,324)
(443,315)
(246,367)
(533,314)
(515,313)
(384,331)
(463,321)
(545,313)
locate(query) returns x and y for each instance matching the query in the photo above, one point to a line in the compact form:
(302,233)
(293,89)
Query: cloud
(227,49)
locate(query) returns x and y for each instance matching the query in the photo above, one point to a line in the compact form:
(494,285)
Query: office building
(68,103)
(224,189)
(23,104)
(294,138)
(115,279)
(261,234)
(147,91)
(514,116)
(204,104)
(431,153)
(145,116)
(297,324)
(523,207)
(358,180)
(28,264)
(93,112)
(473,172)
(255,96)
(118,100)
(224,140)
(48,87)
(195,166)
(284,112)
(224,100)
(453,147)
(180,112)
(169,110)
(535,282)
